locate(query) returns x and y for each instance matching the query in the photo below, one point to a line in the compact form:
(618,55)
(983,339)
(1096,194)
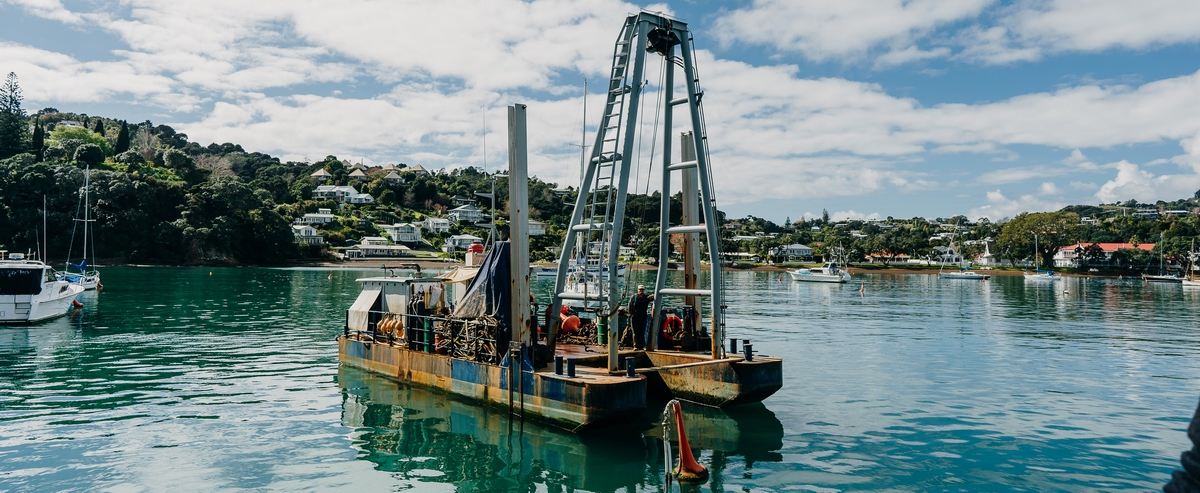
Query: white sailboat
(1038,274)
(1163,275)
(962,273)
(83,273)
(1191,281)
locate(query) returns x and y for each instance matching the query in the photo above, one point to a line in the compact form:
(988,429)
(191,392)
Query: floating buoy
(688,470)
(330,275)
(76,304)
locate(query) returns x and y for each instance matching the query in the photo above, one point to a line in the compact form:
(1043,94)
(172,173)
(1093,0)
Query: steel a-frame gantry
(599,212)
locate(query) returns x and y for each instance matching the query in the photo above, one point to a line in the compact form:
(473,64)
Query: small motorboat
(829,272)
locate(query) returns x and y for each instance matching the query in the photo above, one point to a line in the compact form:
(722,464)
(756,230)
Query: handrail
(460,338)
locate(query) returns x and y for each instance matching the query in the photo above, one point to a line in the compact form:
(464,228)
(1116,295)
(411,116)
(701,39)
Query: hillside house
(322,216)
(393,177)
(403,232)
(417,170)
(377,246)
(342,193)
(436,225)
(307,234)
(792,253)
(467,213)
(536,228)
(321,175)
(1071,256)
(463,241)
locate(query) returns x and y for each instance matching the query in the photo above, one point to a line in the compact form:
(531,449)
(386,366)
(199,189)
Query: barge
(490,347)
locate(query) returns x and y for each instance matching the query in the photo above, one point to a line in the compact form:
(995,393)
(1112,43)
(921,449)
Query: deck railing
(467,339)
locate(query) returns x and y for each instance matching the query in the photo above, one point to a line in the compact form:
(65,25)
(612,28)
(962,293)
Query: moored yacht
(29,291)
(829,272)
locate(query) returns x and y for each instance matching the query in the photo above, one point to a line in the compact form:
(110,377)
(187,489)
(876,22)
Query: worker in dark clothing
(638,305)
(1188,480)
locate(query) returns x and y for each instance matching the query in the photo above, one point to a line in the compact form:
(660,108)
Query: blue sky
(860,107)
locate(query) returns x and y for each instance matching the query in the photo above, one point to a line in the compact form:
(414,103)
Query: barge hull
(591,399)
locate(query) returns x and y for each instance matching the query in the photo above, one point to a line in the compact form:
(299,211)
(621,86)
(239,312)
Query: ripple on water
(231,382)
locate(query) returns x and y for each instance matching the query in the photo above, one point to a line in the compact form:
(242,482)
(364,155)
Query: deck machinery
(599,215)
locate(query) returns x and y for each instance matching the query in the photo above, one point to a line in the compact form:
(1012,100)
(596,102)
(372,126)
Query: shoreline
(424,263)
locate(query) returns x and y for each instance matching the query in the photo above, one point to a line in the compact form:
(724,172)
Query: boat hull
(592,399)
(28,309)
(717,383)
(1163,279)
(972,276)
(830,278)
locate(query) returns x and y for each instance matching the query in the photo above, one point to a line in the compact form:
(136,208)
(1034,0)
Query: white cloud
(845,29)
(1132,182)
(995,33)
(1015,175)
(853,215)
(398,87)
(999,206)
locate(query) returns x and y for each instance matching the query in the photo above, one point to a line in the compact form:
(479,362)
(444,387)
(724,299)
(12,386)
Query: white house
(393,177)
(358,175)
(307,234)
(467,213)
(321,175)
(418,169)
(377,246)
(322,216)
(343,194)
(436,225)
(463,241)
(403,232)
(536,228)
(795,251)
(461,200)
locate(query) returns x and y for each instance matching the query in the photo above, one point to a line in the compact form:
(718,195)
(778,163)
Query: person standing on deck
(638,305)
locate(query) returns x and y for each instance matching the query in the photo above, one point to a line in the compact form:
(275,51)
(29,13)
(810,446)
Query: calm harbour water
(173,379)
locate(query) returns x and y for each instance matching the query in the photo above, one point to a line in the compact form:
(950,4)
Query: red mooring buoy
(688,471)
(77,303)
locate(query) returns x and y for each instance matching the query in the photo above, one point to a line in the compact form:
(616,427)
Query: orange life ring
(671,325)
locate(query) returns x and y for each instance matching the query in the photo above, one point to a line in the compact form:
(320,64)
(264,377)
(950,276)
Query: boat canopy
(461,274)
(359,315)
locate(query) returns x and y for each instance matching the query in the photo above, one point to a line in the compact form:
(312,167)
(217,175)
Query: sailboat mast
(87,174)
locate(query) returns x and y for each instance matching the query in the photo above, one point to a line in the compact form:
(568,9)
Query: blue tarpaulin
(490,292)
(82,265)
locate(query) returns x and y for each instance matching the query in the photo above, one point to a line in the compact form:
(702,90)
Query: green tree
(122,139)
(99,127)
(62,133)
(1053,230)
(38,143)
(14,130)
(90,154)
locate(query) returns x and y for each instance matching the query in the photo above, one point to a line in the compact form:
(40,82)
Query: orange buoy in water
(76,303)
(688,471)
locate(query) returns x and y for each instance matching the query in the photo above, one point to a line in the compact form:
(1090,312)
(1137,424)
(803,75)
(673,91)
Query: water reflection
(427,437)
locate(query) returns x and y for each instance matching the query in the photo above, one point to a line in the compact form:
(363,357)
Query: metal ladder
(599,212)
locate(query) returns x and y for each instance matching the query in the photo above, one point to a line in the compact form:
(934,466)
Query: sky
(863,108)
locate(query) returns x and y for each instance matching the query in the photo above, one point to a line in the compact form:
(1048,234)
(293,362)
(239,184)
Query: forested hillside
(158,197)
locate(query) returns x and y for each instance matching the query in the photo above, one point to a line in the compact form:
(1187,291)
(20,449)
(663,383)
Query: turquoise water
(176,379)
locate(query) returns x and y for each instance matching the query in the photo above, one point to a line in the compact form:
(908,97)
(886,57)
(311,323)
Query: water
(182,380)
